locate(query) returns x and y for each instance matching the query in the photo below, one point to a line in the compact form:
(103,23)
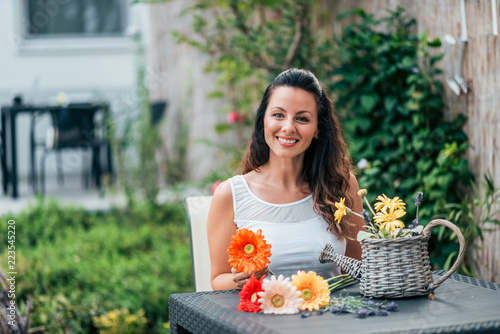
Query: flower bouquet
(386,221)
(249,252)
(395,261)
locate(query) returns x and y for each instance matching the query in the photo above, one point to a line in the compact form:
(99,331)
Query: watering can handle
(427,232)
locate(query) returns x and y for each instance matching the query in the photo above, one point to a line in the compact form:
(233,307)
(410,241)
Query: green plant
(390,100)
(79,265)
(474,215)
(137,178)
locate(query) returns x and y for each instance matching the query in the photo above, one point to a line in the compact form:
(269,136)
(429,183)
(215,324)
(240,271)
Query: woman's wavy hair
(327,165)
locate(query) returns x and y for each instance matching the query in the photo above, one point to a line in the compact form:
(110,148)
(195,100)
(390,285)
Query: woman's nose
(288,126)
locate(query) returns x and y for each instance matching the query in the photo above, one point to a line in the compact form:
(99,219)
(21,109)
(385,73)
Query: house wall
(481,70)
(83,69)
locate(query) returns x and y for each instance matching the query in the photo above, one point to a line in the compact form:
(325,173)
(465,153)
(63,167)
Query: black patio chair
(157,111)
(73,127)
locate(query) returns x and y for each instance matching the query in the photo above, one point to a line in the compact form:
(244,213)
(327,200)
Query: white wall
(39,71)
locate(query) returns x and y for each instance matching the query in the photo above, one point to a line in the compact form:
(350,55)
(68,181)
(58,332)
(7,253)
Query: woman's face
(290,122)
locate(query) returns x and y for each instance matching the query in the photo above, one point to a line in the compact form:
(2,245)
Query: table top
(462,305)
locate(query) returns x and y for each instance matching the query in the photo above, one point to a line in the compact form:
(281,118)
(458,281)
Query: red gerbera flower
(249,300)
(248,252)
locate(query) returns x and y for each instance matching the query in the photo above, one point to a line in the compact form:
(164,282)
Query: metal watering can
(396,268)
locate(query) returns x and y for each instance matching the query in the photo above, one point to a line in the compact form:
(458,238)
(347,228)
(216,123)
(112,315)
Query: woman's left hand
(240,278)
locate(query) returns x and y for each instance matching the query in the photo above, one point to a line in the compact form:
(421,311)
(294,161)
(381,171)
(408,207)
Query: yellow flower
(386,202)
(314,290)
(389,220)
(132,318)
(113,315)
(362,192)
(342,210)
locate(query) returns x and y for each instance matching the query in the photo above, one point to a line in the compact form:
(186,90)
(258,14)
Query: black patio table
(8,117)
(462,305)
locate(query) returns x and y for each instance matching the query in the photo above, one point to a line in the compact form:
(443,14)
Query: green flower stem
(271,272)
(369,206)
(340,283)
(338,277)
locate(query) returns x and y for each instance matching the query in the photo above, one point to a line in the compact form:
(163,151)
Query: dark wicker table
(462,305)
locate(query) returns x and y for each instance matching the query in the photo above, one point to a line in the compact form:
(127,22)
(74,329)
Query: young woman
(295,169)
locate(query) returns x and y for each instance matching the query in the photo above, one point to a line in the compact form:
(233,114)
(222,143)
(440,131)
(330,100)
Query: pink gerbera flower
(279,296)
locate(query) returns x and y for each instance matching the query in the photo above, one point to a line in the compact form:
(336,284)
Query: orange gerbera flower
(314,290)
(248,252)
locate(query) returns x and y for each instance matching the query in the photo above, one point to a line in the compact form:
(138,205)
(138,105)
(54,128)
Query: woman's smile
(287,141)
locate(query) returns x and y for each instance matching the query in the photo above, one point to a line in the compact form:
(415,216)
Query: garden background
(112,271)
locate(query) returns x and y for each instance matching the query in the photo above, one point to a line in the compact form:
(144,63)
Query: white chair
(197,208)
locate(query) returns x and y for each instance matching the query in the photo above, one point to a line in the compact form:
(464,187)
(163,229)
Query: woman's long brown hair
(327,165)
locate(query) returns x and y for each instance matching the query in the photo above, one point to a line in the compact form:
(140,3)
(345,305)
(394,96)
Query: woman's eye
(278,115)
(303,119)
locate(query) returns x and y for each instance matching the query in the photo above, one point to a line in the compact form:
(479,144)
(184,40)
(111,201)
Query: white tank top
(295,232)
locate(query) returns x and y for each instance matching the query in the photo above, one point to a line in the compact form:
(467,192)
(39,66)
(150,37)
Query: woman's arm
(353,248)
(220,228)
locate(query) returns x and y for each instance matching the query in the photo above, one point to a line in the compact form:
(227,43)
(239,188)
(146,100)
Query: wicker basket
(395,268)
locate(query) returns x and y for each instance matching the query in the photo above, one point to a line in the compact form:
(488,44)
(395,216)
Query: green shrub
(389,96)
(78,265)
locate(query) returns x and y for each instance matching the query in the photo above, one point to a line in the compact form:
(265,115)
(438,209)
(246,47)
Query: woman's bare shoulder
(223,194)
(353,181)
(222,204)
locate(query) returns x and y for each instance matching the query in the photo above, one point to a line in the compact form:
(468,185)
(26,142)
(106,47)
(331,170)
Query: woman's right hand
(240,278)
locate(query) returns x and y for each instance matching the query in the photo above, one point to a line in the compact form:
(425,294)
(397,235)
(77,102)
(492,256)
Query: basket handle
(427,232)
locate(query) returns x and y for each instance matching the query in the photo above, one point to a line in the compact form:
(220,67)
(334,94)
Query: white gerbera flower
(279,296)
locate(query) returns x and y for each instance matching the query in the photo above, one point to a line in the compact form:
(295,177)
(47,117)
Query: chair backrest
(197,208)
(157,111)
(74,126)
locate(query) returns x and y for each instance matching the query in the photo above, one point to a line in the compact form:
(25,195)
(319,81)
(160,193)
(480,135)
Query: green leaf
(357,11)
(424,164)
(364,124)
(216,94)
(368,102)
(223,127)
(436,58)
(362,235)
(418,229)
(436,42)
(390,102)
(402,110)
(447,264)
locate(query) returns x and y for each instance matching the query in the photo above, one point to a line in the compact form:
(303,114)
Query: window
(73,27)
(74,18)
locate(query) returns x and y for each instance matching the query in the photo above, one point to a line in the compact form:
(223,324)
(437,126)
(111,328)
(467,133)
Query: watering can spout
(347,264)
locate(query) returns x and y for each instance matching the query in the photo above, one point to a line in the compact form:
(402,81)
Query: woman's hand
(240,278)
